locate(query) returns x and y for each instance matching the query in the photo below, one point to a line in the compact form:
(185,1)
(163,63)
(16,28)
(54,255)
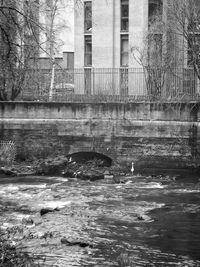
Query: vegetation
(9,255)
(171,44)
(184,23)
(24,33)
(7,153)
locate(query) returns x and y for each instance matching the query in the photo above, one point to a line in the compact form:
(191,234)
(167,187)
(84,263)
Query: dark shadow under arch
(85,156)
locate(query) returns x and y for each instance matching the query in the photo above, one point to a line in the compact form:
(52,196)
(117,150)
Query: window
(124,50)
(124,15)
(155,46)
(193,49)
(155,11)
(88,33)
(88,50)
(124,47)
(88,16)
(155,37)
(193,42)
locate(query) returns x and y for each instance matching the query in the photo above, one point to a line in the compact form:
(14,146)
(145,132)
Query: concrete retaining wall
(150,134)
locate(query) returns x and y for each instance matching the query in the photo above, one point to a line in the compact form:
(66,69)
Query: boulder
(47,210)
(83,174)
(91,175)
(8,171)
(81,244)
(51,166)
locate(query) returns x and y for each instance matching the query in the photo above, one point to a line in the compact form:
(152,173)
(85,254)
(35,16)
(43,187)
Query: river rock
(81,244)
(47,210)
(140,218)
(18,170)
(8,171)
(51,166)
(83,174)
(119,179)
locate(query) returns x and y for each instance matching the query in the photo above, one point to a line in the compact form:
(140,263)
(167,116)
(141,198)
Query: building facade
(112,37)
(106,31)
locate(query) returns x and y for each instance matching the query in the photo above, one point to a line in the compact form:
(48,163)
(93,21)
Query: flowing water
(147,221)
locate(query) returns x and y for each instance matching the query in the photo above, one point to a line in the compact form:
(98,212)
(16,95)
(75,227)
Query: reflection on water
(144,222)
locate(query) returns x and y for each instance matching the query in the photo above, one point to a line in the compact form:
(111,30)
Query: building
(107,35)
(66,61)
(105,32)
(47,38)
(57,33)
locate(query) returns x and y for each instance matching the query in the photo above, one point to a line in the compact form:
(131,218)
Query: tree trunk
(52,82)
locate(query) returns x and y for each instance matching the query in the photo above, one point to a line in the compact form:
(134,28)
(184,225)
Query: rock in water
(91,175)
(47,210)
(75,243)
(84,174)
(8,171)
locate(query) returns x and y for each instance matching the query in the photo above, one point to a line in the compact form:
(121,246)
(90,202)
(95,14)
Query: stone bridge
(160,135)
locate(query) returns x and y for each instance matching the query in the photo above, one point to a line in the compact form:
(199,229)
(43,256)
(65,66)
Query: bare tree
(19,41)
(184,22)
(171,45)
(21,31)
(53,24)
(155,55)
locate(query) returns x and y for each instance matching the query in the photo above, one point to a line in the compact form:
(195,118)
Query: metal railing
(107,84)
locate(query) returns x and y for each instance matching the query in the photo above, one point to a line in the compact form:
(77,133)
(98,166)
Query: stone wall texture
(158,135)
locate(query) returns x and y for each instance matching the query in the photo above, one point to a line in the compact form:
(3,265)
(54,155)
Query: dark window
(124,15)
(193,36)
(88,16)
(155,11)
(155,44)
(124,50)
(194,49)
(88,50)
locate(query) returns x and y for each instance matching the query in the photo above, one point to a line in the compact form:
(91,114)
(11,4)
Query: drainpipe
(113,46)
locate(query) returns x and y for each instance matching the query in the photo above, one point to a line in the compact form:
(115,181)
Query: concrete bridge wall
(159,135)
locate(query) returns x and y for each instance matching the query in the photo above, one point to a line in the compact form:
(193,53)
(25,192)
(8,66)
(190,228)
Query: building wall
(65,62)
(102,33)
(138,27)
(160,135)
(106,32)
(79,36)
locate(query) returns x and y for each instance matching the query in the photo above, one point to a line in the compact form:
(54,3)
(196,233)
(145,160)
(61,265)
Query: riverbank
(92,169)
(82,166)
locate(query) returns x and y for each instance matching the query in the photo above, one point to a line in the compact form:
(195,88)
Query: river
(147,221)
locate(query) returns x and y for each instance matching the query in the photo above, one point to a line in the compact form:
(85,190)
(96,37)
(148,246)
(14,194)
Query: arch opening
(87,156)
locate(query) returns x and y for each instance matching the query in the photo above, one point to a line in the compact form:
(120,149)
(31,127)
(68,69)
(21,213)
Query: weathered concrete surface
(150,134)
